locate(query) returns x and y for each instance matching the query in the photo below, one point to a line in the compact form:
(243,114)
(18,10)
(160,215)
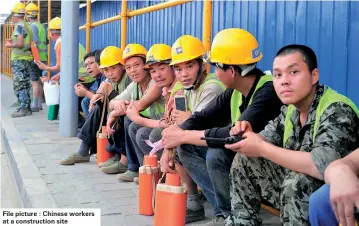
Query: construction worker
(249,96)
(112,65)
(134,57)
(141,129)
(338,200)
(55,35)
(285,163)
(40,39)
(21,59)
(200,88)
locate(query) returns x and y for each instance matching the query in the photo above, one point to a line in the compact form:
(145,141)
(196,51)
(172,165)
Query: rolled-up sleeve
(336,135)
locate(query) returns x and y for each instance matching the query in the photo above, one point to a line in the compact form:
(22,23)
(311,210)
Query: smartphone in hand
(181,103)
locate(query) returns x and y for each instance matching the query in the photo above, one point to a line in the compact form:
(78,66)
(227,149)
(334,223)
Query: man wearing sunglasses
(249,96)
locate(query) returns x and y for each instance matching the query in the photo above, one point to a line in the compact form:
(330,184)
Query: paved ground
(9,195)
(35,148)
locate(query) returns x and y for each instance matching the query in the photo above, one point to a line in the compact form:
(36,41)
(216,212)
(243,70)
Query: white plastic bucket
(52,93)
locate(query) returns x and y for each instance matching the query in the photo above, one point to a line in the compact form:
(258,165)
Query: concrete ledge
(31,186)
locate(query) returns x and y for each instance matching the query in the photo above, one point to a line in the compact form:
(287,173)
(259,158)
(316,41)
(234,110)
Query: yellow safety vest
(329,97)
(236,99)
(23,53)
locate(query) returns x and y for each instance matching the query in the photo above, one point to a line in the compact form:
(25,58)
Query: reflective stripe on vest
(210,78)
(329,97)
(154,111)
(42,44)
(23,53)
(236,99)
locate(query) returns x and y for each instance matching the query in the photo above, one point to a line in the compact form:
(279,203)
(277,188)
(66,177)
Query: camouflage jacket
(337,132)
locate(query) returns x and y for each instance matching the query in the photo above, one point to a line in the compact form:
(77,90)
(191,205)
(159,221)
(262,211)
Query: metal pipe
(8,50)
(156,7)
(2,48)
(153,8)
(69,69)
(207,26)
(38,14)
(49,45)
(123,24)
(88,26)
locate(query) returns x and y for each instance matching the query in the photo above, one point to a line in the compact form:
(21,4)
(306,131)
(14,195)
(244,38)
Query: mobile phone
(227,140)
(181,103)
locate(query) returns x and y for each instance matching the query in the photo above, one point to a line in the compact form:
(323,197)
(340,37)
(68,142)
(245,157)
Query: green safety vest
(210,78)
(42,42)
(23,53)
(236,99)
(154,111)
(329,97)
(82,68)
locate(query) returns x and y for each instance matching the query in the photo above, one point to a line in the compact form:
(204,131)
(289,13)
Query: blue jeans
(85,104)
(209,168)
(133,163)
(320,208)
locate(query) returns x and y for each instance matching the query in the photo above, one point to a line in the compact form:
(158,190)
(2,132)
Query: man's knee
(156,135)
(184,151)
(218,158)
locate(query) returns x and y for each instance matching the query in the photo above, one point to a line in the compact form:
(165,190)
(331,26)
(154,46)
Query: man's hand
(94,99)
(344,192)
(171,136)
(110,121)
(132,112)
(80,90)
(180,116)
(41,65)
(241,127)
(166,163)
(120,106)
(250,146)
(8,43)
(44,79)
(55,78)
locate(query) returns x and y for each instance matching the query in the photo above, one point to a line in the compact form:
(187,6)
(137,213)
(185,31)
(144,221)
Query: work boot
(74,158)
(21,112)
(218,221)
(128,176)
(117,167)
(110,161)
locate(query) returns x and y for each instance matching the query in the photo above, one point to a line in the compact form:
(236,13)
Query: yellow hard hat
(186,48)
(234,46)
(55,24)
(19,8)
(134,50)
(31,9)
(158,53)
(111,56)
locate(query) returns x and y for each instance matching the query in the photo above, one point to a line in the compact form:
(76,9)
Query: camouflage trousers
(257,179)
(21,81)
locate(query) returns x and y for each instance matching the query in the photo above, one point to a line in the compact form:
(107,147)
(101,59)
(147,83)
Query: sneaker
(128,176)
(117,167)
(74,158)
(194,215)
(218,221)
(21,112)
(110,161)
(136,180)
